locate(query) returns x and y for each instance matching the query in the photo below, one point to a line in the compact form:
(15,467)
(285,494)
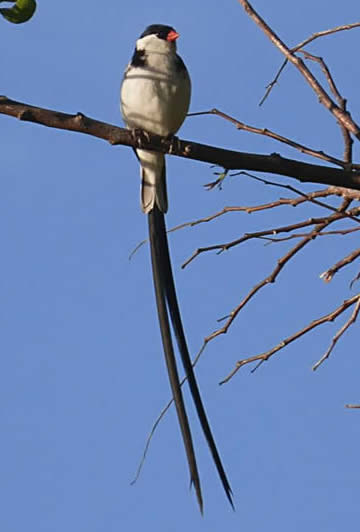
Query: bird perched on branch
(155,97)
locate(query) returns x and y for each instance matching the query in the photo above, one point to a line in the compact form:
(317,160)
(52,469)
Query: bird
(155,98)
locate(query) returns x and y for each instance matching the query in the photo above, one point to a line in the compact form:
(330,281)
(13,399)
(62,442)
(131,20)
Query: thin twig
(293,202)
(157,421)
(326,73)
(301,235)
(262,357)
(307,197)
(137,247)
(325,220)
(339,334)
(276,271)
(272,83)
(323,33)
(271,134)
(328,275)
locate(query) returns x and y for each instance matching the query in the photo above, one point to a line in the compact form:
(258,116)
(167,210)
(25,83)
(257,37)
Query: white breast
(156,97)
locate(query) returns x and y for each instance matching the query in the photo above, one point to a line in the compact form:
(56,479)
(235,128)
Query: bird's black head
(167,33)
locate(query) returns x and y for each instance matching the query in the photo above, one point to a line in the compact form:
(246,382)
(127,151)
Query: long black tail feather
(160,293)
(164,285)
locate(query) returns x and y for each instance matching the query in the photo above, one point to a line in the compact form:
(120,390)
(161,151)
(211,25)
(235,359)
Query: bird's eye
(162,34)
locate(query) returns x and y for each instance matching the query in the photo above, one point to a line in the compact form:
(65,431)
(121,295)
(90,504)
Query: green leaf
(21,12)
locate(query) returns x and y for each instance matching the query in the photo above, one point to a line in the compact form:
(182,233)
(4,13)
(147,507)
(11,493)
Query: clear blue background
(82,374)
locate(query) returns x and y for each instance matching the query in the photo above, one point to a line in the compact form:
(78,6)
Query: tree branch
(241,126)
(342,116)
(262,357)
(231,160)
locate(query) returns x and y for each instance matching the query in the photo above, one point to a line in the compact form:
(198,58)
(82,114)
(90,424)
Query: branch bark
(228,159)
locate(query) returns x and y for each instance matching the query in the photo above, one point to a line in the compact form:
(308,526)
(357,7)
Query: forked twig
(348,142)
(262,357)
(320,223)
(339,334)
(328,275)
(305,42)
(341,116)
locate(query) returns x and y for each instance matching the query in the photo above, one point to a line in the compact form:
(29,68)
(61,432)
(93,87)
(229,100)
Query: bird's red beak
(172,36)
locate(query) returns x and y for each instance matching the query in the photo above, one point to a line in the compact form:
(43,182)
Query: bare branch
(276,271)
(301,235)
(321,221)
(293,202)
(326,72)
(271,134)
(324,33)
(306,196)
(272,83)
(339,334)
(328,275)
(301,45)
(342,116)
(298,47)
(331,316)
(348,142)
(228,159)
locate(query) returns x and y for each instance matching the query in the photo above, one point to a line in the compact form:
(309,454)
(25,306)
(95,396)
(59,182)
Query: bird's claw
(139,136)
(175,144)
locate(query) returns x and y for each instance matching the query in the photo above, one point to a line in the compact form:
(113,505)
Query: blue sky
(82,376)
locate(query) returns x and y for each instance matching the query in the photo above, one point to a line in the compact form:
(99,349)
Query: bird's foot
(140,136)
(175,144)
